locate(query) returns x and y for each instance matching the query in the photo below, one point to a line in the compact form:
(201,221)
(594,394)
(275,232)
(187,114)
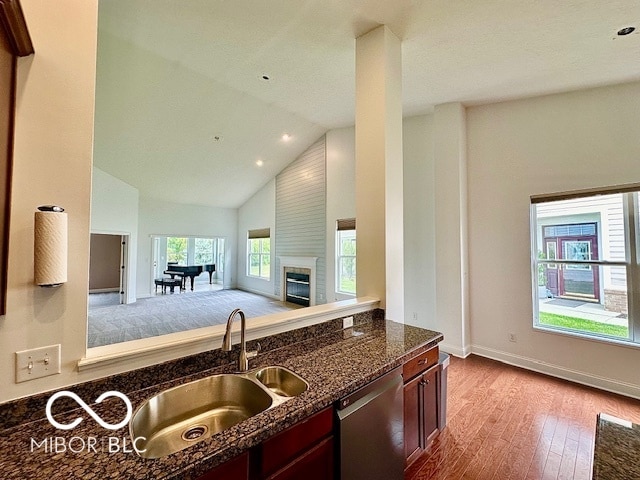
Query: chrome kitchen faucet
(243,359)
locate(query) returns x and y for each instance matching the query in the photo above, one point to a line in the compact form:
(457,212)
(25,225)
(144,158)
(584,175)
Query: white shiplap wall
(301,211)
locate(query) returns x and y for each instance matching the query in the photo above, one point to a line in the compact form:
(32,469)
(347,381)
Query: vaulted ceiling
(183,112)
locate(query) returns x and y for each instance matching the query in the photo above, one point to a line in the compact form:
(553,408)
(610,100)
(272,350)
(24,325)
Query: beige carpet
(170,313)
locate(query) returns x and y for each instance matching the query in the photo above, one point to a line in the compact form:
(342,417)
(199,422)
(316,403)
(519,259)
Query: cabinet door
(412,407)
(292,442)
(430,404)
(315,464)
(235,469)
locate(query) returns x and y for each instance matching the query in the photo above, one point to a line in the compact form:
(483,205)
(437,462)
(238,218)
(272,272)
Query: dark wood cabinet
(421,377)
(412,400)
(235,469)
(314,464)
(302,451)
(430,404)
(305,450)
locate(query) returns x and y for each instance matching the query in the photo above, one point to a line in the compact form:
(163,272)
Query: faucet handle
(254,353)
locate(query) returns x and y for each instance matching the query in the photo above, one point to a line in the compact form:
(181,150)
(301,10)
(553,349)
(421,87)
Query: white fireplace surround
(299,262)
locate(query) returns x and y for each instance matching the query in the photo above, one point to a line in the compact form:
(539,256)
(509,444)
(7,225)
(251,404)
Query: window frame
(342,227)
(631,225)
(260,236)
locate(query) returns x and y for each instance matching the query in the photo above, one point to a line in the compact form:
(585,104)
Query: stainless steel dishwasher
(371,430)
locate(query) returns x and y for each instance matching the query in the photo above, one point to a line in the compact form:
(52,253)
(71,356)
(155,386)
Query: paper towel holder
(50,250)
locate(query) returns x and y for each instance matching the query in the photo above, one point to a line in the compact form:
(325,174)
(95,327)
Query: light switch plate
(347,322)
(37,363)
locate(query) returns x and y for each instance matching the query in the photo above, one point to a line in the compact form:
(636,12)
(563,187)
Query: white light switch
(37,362)
(347,322)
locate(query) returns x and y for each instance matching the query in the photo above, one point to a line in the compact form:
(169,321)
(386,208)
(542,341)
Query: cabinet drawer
(282,448)
(420,363)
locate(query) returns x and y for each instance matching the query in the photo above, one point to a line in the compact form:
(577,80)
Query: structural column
(452,290)
(379,194)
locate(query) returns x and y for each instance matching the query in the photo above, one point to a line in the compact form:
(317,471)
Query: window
(585,263)
(346,256)
(259,253)
(192,250)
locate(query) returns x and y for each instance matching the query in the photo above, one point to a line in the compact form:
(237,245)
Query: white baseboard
(258,292)
(602,383)
(463,352)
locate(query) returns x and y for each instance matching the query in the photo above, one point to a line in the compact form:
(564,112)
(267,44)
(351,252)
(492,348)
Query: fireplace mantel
(298,262)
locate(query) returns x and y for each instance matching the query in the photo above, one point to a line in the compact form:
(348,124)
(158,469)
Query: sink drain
(194,433)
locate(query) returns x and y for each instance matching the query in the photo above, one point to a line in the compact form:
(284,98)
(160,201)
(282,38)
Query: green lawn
(583,325)
(348,285)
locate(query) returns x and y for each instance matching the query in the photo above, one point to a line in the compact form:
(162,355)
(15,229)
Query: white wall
(341,196)
(257,212)
(52,165)
(419,223)
(516,149)
(114,209)
(173,219)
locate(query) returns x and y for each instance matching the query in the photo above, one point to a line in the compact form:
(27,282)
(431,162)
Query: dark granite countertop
(617,444)
(334,364)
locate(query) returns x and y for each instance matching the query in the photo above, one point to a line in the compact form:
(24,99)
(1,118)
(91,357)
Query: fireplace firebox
(297,288)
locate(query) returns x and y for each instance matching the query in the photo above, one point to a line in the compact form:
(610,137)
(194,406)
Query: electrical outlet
(512,337)
(347,322)
(37,362)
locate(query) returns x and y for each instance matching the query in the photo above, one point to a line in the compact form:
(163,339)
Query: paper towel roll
(50,248)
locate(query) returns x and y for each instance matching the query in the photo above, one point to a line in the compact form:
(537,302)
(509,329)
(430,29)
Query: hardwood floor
(508,423)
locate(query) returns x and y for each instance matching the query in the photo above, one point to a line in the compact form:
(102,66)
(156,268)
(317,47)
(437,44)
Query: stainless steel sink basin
(184,415)
(281,381)
(179,417)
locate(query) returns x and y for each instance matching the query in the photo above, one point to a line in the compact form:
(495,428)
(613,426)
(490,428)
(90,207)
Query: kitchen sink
(281,381)
(181,416)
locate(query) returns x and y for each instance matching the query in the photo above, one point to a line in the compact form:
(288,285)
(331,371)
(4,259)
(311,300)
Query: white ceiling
(158,133)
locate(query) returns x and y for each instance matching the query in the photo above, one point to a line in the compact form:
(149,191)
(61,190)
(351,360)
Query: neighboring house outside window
(259,253)
(585,262)
(346,256)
